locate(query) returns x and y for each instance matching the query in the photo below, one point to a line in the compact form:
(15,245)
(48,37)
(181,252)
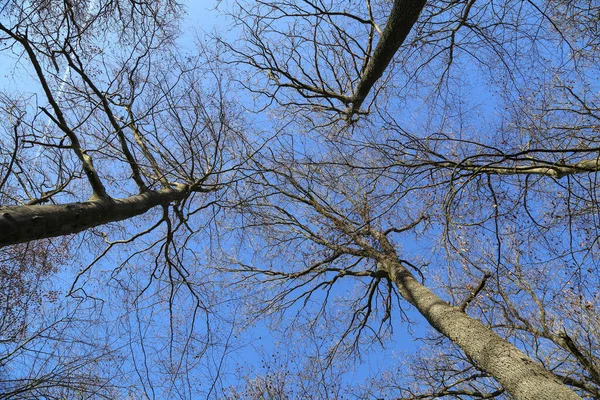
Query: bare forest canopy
(335,176)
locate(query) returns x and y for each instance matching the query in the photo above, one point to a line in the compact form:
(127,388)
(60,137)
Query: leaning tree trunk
(522,377)
(20,224)
(402,17)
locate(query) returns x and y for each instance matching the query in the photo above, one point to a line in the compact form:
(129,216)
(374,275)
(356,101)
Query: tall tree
(109,120)
(437,155)
(132,120)
(483,115)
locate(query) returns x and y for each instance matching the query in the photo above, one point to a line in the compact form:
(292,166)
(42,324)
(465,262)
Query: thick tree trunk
(522,377)
(20,224)
(402,17)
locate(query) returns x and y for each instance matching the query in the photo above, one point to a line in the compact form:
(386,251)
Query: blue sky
(152,317)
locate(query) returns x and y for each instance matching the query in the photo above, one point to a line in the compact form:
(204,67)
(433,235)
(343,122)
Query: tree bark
(518,374)
(20,224)
(402,17)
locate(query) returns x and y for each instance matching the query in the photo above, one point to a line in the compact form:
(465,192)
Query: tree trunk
(402,17)
(522,377)
(20,224)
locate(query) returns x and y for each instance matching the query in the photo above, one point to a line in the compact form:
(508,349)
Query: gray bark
(518,374)
(403,16)
(19,224)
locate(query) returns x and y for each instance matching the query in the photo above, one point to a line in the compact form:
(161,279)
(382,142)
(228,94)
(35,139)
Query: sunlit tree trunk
(523,378)
(20,224)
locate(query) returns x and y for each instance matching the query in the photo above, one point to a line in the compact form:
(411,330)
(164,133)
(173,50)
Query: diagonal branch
(403,16)
(19,224)
(99,191)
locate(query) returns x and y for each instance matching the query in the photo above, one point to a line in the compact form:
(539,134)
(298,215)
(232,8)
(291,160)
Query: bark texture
(522,377)
(19,224)
(403,16)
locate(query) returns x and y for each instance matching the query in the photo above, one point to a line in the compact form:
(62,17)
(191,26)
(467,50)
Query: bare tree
(116,123)
(439,156)
(103,112)
(503,179)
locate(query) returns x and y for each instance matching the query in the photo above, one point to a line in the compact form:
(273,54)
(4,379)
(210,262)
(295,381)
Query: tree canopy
(329,174)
